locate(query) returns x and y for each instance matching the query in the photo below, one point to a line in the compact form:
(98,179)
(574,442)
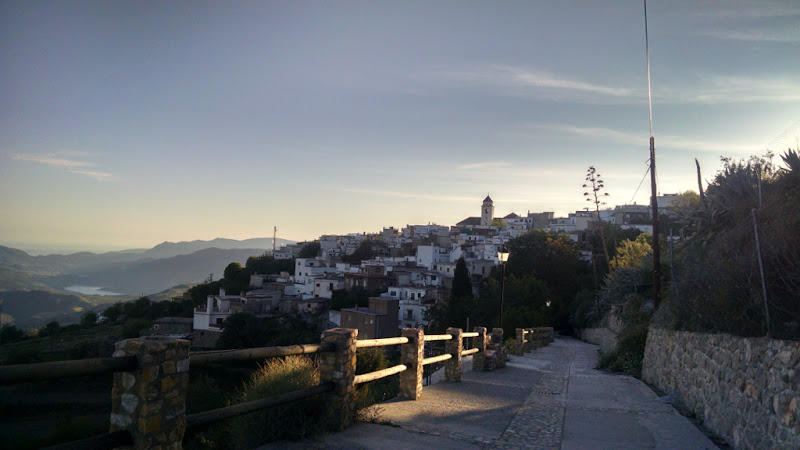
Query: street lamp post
(502,255)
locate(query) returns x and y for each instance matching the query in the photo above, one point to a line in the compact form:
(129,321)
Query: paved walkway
(549,398)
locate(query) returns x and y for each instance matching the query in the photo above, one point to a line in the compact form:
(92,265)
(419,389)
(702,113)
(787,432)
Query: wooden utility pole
(653,188)
(656,246)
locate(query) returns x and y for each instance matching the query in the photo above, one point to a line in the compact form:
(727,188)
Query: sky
(125,124)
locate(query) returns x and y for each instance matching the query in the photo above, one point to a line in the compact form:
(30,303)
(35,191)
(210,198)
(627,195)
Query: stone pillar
(412,354)
(529,340)
(150,401)
(339,366)
(478,361)
(497,337)
(452,367)
(519,345)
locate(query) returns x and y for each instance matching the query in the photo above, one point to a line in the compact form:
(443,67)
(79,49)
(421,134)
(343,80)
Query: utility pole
(653,188)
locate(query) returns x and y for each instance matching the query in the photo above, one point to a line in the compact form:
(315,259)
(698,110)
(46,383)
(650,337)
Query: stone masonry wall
(604,337)
(746,390)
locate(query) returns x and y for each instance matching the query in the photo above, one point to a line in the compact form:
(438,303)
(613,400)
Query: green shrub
(132,327)
(296,419)
(629,354)
(368,360)
(510,345)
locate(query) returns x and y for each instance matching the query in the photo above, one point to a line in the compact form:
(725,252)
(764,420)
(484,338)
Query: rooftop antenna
(653,188)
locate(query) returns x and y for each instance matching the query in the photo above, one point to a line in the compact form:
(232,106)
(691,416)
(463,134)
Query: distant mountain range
(26,280)
(84,261)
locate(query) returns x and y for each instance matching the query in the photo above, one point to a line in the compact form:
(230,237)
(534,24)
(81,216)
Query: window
(409,315)
(317,284)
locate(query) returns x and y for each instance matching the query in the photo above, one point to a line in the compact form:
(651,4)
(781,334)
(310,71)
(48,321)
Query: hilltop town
(402,272)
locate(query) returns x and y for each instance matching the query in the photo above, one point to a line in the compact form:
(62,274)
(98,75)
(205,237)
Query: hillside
(30,308)
(12,279)
(153,276)
(170,249)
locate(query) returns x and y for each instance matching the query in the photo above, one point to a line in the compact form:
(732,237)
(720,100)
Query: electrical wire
(640,183)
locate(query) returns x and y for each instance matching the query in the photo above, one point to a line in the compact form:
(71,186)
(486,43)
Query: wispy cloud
(534,82)
(483,165)
(99,176)
(69,160)
(722,89)
(738,10)
(703,89)
(401,194)
(791,35)
(662,141)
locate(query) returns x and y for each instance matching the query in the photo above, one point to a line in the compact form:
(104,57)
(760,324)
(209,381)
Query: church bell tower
(487,211)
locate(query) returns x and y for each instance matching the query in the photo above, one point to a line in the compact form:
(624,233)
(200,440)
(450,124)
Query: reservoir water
(89,290)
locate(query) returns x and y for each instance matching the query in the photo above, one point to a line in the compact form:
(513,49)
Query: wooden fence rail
(435,359)
(215,415)
(215,356)
(20,373)
(151,379)
(363,378)
(362,343)
(438,337)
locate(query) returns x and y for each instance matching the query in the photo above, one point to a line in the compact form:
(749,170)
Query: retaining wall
(604,337)
(744,389)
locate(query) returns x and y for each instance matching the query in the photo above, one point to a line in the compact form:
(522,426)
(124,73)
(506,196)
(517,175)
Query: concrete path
(549,398)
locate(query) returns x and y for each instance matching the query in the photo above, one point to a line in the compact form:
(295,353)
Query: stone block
(411,355)
(339,367)
(454,347)
(139,396)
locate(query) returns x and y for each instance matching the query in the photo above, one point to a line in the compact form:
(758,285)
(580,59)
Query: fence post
(519,344)
(452,367)
(497,338)
(339,366)
(150,401)
(479,360)
(412,354)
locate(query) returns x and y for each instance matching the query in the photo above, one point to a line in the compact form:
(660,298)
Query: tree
(498,222)
(462,285)
(243,330)
(113,312)
(631,254)
(10,333)
(310,250)
(368,249)
(51,329)
(552,258)
(232,270)
(89,319)
(137,309)
(266,264)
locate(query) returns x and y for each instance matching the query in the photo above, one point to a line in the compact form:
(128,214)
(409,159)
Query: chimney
(221,292)
(209,304)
